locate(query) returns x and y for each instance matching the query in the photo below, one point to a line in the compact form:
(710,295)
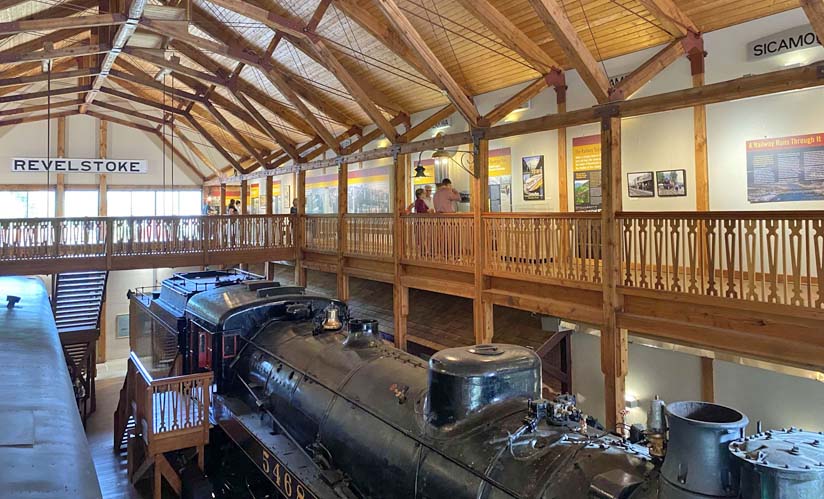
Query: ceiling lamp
(420,171)
(441,157)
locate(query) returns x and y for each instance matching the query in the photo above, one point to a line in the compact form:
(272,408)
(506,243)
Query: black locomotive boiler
(325,409)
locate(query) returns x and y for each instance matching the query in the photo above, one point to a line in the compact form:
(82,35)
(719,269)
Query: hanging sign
(66,165)
(790,40)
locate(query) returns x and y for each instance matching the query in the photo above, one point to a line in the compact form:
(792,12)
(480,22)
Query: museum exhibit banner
(71,165)
(586,171)
(532,172)
(785,169)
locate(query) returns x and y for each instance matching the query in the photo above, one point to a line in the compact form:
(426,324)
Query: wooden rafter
(129,112)
(513,102)
(171,145)
(49,24)
(416,43)
(42,77)
(282,140)
(142,100)
(647,71)
(815,13)
(39,107)
(233,131)
(195,150)
(512,36)
(555,19)
(41,95)
(40,55)
(206,135)
(120,121)
(428,122)
(56,11)
(39,117)
(672,19)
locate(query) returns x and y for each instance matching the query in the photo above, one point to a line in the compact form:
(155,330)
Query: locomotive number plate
(284,480)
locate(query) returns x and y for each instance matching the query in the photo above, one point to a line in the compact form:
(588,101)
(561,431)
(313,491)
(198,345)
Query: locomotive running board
(291,472)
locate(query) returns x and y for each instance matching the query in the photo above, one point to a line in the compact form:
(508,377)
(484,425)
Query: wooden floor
(111,467)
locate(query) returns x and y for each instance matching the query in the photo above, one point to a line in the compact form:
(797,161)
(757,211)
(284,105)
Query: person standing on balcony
(427,197)
(232,207)
(294,209)
(446,197)
(420,205)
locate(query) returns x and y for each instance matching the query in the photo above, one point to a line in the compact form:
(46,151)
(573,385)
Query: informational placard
(586,171)
(73,165)
(790,40)
(532,172)
(785,169)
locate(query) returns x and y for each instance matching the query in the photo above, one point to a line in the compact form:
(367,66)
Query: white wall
(778,400)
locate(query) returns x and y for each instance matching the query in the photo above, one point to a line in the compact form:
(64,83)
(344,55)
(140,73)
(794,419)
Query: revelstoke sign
(66,165)
(786,41)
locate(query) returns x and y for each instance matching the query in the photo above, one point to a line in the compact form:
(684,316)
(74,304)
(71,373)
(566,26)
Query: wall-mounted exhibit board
(369,189)
(786,169)
(586,171)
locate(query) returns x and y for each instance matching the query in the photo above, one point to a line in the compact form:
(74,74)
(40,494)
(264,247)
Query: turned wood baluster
(658,241)
(710,234)
(628,238)
(817,241)
(750,240)
(675,245)
(730,243)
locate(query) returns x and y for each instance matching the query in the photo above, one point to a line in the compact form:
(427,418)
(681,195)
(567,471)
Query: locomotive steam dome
(464,380)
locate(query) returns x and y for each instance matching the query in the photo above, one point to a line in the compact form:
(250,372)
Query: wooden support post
(702,182)
(300,232)
(400,293)
(222,210)
(707,379)
(270,202)
(613,339)
(60,186)
(343,209)
(563,182)
(102,210)
(481,312)
(244,197)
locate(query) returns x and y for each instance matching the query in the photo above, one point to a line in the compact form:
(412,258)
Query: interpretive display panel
(785,169)
(532,171)
(586,171)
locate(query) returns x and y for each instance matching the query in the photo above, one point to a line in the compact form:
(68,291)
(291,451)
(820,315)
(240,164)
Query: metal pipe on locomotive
(325,408)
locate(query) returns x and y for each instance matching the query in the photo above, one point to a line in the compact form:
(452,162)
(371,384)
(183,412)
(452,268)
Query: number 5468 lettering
(283,479)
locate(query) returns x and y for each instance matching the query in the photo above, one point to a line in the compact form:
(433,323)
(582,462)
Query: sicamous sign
(65,165)
(786,41)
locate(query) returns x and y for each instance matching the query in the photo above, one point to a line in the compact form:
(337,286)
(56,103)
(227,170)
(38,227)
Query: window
(27,204)
(153,203)
(81,204)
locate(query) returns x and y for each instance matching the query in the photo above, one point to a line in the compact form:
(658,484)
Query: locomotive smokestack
(362,334)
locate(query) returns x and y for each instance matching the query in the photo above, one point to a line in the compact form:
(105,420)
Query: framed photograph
(532,173)
(671,183)
(122,322)
(640,185)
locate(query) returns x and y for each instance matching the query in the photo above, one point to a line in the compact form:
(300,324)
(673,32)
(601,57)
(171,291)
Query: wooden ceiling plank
(512,36)
(555,19)
(415,42)
(647,71)
(528,92)
(815,13)
(50,24)
(282,140)
(672,18)
(233,131)
(124,32)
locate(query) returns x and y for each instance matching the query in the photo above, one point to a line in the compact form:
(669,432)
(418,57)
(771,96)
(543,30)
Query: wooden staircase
(77,303)
(159,415)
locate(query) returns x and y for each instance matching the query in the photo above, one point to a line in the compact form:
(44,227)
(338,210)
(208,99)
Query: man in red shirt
(446,197)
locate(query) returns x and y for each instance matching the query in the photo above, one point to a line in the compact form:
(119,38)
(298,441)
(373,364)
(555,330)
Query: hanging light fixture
(420,171)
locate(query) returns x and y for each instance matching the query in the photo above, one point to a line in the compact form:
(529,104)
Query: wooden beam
(428,122)
(481,313)
(186,162)
(39,55)
(195,150)
(85,21)
(563,181)
(300,226)
(234,133)
(416,43)
(206,135)
(129,112)
(61,75)
(177,67)
(512,36)
(702,174)
(39,117)
(400,293)
(39,95)
(342,288)
(514,102)
(143,101)
(555,19)
(815,13)
(154,84)
(613,339)
(40,107)
(102,211)
(283,141)
(60,184)
(707,380)
(672,19)
(120,121)
(647,71)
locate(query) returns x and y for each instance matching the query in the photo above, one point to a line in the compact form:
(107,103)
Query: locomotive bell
(332,320)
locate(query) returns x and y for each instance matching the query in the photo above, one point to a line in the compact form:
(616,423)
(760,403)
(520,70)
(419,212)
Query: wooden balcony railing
(767,257)
(559,246)
(369,235)
(321,233)
(439,239)
(100,241)
(171,413)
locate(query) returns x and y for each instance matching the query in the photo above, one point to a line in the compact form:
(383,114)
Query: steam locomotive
(324,408)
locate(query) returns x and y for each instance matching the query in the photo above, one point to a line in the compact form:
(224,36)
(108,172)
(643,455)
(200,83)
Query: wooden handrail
(737,215)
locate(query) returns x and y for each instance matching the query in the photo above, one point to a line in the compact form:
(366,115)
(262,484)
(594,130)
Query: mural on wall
(586,171)
(671,183)
(785,169)
(532,171)
(640,185)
